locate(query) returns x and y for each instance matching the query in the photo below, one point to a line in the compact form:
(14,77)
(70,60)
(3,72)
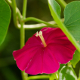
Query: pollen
(41,37)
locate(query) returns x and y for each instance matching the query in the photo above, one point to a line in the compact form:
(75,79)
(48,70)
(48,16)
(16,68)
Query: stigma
(41,37)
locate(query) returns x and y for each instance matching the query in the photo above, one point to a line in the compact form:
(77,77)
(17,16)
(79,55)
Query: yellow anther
(41,37)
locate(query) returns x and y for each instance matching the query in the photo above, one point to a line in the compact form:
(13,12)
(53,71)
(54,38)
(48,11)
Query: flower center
(41,37)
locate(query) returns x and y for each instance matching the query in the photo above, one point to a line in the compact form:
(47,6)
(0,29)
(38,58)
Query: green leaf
(76,58)
(55,15)
(53,5)
(5,15)
(67,73)
(61,65)
(72,19)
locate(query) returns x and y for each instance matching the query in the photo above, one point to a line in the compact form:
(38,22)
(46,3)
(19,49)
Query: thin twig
(41,25)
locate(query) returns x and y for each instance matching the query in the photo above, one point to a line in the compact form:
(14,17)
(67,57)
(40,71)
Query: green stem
(14,12)
(22,23)
(79,75)
(64,29)
(19,16)
(17,11)
(22,34)
(40,25)
(9,2)
(39,77)
(69,64)
(34,26)
(24,8)
(62,3)
(37,20)
(53,76)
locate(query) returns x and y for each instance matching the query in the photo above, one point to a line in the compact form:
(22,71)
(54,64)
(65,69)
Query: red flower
(44,51)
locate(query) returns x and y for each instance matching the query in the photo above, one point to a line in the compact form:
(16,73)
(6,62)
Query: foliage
(5,15)
(70,26)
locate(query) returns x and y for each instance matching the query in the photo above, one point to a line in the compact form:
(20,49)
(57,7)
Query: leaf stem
(37,20)
(22,31)
(41,25)
(22,34)
(62,3)
(14,12)
(9,2)
(24,8)
(17,11)
(53,76)
(37,26)
(39,77)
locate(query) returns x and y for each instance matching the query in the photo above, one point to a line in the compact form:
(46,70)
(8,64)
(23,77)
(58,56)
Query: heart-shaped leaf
(67,73)
(53,5)
(5,15)
(72,19)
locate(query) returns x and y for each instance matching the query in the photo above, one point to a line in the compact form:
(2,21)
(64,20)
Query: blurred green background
(35,8)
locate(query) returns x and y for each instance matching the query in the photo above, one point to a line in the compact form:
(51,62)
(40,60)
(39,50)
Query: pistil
(41,37)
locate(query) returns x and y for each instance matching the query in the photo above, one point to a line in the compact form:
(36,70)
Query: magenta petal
(50,64)
(23,60)
(47,32)
(31,43)
(65,42)
(61,47)
(50,34)
(43,62)
(55,34)
(24,51)
(35,66)
(24,55)
(62,53)
(34,40)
